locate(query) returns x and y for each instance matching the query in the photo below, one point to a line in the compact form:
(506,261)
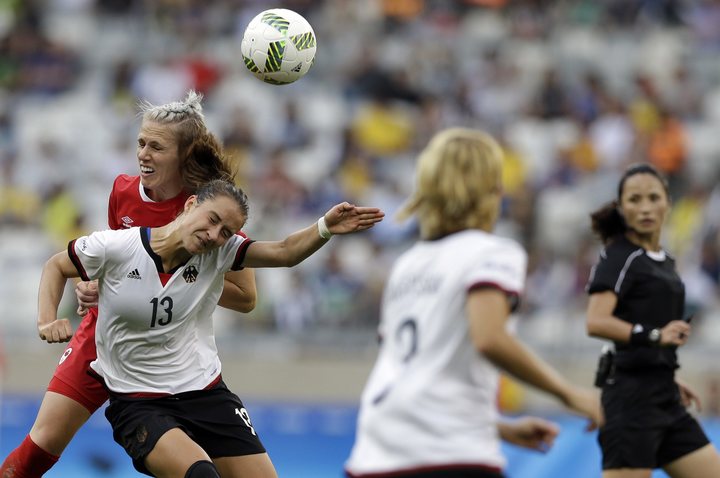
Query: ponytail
(202,157)
(607,222)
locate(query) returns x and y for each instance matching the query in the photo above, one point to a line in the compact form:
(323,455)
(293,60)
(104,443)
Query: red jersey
(129,206)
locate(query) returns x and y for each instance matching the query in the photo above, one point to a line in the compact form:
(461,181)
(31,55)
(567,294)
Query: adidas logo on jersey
(134,274)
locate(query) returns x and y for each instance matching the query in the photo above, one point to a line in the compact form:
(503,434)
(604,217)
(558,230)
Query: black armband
(642,336)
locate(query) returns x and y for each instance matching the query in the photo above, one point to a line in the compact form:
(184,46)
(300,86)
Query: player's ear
(189,203)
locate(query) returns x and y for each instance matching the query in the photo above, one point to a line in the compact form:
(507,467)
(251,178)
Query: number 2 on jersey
(166,304)
(406,336)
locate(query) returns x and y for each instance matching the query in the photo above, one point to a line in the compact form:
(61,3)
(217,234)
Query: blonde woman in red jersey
(176,155)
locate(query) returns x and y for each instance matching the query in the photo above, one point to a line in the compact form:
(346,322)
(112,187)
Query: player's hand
(586,402)
(345,218)
(688,397)
(529,432)
(87,296)
(57,331)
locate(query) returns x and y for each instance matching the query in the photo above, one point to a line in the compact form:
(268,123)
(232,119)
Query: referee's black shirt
(649,293)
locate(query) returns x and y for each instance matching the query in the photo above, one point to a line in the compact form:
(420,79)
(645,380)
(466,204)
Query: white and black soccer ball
(278,46)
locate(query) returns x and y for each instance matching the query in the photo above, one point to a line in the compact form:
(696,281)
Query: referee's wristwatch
(654,337)
(641,336)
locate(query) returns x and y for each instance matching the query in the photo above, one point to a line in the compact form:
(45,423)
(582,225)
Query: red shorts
(71,377)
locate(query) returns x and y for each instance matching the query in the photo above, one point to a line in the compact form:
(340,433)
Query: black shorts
(456,471)
(453,474)
(646,425)
(215,419)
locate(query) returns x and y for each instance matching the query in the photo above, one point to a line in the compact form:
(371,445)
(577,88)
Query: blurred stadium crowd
(575,90)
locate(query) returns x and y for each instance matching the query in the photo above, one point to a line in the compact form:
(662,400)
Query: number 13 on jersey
(165,313)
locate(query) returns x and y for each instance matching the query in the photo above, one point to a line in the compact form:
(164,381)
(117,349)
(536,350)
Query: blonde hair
(458,183)
(188,109)
(202,158)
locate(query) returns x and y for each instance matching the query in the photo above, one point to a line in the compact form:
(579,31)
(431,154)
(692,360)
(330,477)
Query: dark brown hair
(220,187)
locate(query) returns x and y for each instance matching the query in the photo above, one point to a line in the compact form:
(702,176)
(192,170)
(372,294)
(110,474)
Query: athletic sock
(27,461)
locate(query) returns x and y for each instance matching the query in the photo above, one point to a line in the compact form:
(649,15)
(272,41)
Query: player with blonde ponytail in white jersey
(429,408)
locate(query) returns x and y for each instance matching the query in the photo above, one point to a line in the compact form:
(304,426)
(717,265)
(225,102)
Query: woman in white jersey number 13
(156,351)
(429,407)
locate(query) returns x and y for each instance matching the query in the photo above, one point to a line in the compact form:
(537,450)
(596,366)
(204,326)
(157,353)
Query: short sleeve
(113,222)
(232,253)
(503,267)
(611,273)
(87,253)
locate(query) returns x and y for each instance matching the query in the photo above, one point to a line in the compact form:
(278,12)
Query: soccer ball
(278,46)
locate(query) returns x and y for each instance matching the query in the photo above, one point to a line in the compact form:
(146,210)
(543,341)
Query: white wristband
(323,229)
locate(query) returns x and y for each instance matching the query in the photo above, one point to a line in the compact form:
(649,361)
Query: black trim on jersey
(178,267)
(76,260)
(512,296)
(240,255)
(145,238)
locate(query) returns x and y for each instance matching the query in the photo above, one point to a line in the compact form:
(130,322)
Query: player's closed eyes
(155,146)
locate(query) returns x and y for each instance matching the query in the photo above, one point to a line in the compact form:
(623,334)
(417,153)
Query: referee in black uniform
(637,300)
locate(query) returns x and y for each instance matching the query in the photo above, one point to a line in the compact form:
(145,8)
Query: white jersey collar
(143,195)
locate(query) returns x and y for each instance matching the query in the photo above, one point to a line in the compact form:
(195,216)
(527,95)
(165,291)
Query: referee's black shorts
(215,419)
(646,425)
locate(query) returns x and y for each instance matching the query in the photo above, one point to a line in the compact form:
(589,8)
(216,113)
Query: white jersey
(154,333)
(431,398)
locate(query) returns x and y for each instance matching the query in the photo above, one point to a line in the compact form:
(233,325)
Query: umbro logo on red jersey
(134,274)
(127,221)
